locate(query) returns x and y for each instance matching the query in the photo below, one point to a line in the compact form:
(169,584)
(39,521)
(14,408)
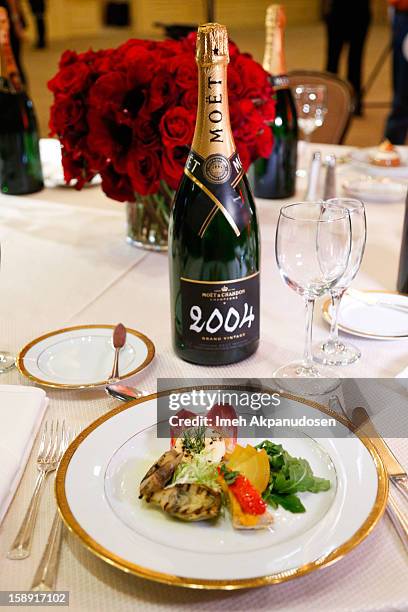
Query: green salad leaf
(289,475)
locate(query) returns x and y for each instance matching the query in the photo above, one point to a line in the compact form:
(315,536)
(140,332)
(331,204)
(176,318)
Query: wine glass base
(336,353)
(320,379)
(7,361)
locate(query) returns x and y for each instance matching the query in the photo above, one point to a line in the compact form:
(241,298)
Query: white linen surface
(21,413)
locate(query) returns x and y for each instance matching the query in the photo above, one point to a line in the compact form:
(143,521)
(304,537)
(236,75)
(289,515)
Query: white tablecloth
(65,262)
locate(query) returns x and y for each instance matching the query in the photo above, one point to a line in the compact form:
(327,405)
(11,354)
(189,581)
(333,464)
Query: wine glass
(313,241)
(7,361)
(311,106)
(334,351)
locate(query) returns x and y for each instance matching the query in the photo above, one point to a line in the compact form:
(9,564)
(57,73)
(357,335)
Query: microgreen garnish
(194,440)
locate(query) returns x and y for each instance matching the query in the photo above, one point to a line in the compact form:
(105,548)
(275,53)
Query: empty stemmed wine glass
(311,106)
(313,241)
(335,351)
(7,360)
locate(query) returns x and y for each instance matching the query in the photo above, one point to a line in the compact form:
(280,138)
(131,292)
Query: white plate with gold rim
(82,356)
(97,494)
(375,189)
(370,320)
(362,157)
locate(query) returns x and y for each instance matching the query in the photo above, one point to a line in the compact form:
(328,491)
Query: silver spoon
(123,393)
(119,341)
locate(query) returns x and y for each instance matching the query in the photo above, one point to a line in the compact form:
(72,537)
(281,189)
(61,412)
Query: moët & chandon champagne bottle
(20,165)
(213,236)
(275,176)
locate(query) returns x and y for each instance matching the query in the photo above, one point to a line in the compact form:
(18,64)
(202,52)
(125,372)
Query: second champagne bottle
(213,235)
(275,177)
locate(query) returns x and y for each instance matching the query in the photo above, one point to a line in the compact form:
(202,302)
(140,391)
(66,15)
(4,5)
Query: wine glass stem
(307,354)
(336,296)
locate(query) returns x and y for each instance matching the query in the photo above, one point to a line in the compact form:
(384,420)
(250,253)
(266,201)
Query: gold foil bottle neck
(212,44)
(274,57)
(275,16)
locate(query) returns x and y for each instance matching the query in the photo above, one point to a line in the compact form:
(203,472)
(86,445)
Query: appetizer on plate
(386,155)
(201,475)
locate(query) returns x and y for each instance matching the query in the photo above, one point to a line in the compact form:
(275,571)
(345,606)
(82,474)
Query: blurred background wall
(67,19)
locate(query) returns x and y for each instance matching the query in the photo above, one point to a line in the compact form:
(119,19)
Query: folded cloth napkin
(403,374)
(21,413)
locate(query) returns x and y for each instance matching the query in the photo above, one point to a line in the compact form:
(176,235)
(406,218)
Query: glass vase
(148,219)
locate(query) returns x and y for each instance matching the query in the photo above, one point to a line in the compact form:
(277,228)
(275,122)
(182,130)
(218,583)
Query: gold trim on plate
(354,332)
(23,370)
(197,583)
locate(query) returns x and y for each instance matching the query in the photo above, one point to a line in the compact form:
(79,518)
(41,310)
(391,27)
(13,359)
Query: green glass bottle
(20,165)
(213,235)
(275,176)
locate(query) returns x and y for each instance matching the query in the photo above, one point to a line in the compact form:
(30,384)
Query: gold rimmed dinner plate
(369,320)
(97,495)
(82,357)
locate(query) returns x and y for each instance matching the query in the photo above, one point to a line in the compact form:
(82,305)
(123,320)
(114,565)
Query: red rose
(163,91)
(70,79)
(68,57)
(268,110)
(139,67)
(233,50)
(67,112)
(247,121)
(117,186)
(146,131)
(173,162)
(185,71)
(189,43)
(108,91)
(190,100)
(107,138)
(254,77)
(143,166)
(235,84)
(74,170)
(177,127)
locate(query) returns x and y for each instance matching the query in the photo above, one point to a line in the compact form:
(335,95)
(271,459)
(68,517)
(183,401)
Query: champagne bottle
(402,283)
(213,234)
(275,177)
(20,166)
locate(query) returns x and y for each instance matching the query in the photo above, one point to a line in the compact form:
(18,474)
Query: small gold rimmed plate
(82,356)
(97,495)
(370,320)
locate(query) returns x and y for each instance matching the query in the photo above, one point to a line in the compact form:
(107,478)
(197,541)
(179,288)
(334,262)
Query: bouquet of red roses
(128,114)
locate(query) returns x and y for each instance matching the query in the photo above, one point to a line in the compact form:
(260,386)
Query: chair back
(340,104)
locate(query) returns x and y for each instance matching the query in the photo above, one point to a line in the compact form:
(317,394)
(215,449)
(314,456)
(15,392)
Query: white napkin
(403,374)
(21,413)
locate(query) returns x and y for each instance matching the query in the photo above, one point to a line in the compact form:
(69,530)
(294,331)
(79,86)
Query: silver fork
(53,439)
(45,576)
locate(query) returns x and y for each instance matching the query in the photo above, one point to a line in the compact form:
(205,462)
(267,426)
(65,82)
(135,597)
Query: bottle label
(218,177)
(220,314)
(280,81)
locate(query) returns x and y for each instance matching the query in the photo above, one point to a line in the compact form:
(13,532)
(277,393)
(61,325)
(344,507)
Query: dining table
(65,261)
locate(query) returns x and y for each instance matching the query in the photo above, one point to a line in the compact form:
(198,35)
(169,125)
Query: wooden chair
(340,104)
